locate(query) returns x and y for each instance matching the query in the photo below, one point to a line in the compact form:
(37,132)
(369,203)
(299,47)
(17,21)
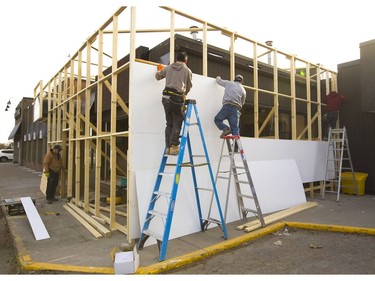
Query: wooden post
(256,91)
(113,124)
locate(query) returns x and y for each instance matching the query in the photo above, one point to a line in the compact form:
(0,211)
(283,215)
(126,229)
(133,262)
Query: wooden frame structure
(95,147)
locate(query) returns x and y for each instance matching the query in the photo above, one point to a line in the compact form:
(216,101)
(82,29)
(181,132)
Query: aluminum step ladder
(159,216)
(238,168)
(338,161)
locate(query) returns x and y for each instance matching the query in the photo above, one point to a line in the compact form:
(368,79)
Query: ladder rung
(333,180)
(245,182)
(193,124)
(214,220)
(331,191)
(166,174)
(246,196)
(162,193)
(226,156)
(240,167)
(195,165)
(330,170)
(158,214)
(205,189)
(250,210)
(224,172)
(153,234)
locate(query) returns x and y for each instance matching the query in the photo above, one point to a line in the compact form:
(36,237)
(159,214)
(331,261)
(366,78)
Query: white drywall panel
(147,124)
(277,183)
(146,141)
(36,223)
(310,156)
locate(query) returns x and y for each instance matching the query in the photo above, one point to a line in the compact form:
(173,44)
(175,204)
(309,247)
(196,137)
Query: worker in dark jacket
(334,101)
(52,165)
(178,83)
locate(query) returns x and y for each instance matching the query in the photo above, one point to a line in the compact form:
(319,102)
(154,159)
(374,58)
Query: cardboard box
(126,262)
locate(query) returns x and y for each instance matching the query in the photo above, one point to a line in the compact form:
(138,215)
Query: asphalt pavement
(72,249)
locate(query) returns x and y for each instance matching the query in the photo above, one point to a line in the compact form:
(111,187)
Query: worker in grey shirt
(233,100)
(177,85)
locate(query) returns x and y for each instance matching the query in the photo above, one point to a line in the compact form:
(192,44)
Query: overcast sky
(37,36)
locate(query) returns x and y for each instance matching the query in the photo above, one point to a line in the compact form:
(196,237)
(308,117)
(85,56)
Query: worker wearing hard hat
(233,100)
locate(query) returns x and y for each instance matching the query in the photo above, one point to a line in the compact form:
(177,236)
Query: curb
(331,228)
(206,252)
(27,264)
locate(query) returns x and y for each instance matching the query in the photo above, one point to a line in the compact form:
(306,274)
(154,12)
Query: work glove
(160,67)
(46,174)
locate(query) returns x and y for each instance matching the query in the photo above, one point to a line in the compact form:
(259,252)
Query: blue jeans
(230,113)
(332,117)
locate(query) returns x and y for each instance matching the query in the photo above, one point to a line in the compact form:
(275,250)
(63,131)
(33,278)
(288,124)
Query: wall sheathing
(96,139)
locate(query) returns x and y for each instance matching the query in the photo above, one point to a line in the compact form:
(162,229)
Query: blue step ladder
(160,211)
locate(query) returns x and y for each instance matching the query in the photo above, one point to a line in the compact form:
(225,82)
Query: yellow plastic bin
(347,180)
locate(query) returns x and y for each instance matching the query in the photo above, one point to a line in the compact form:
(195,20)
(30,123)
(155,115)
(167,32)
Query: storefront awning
(14,131)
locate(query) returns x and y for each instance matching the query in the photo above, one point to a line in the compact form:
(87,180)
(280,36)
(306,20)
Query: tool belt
(234,105)
(173,96)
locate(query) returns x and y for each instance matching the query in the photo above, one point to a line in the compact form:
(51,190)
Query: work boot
(49,201)
(225,133)
(174,150)
(167,151)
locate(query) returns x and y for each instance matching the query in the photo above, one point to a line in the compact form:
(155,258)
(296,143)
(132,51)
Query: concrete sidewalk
(71,248)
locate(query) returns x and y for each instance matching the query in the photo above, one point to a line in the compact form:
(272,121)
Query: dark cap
(58,147)
(238,78)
